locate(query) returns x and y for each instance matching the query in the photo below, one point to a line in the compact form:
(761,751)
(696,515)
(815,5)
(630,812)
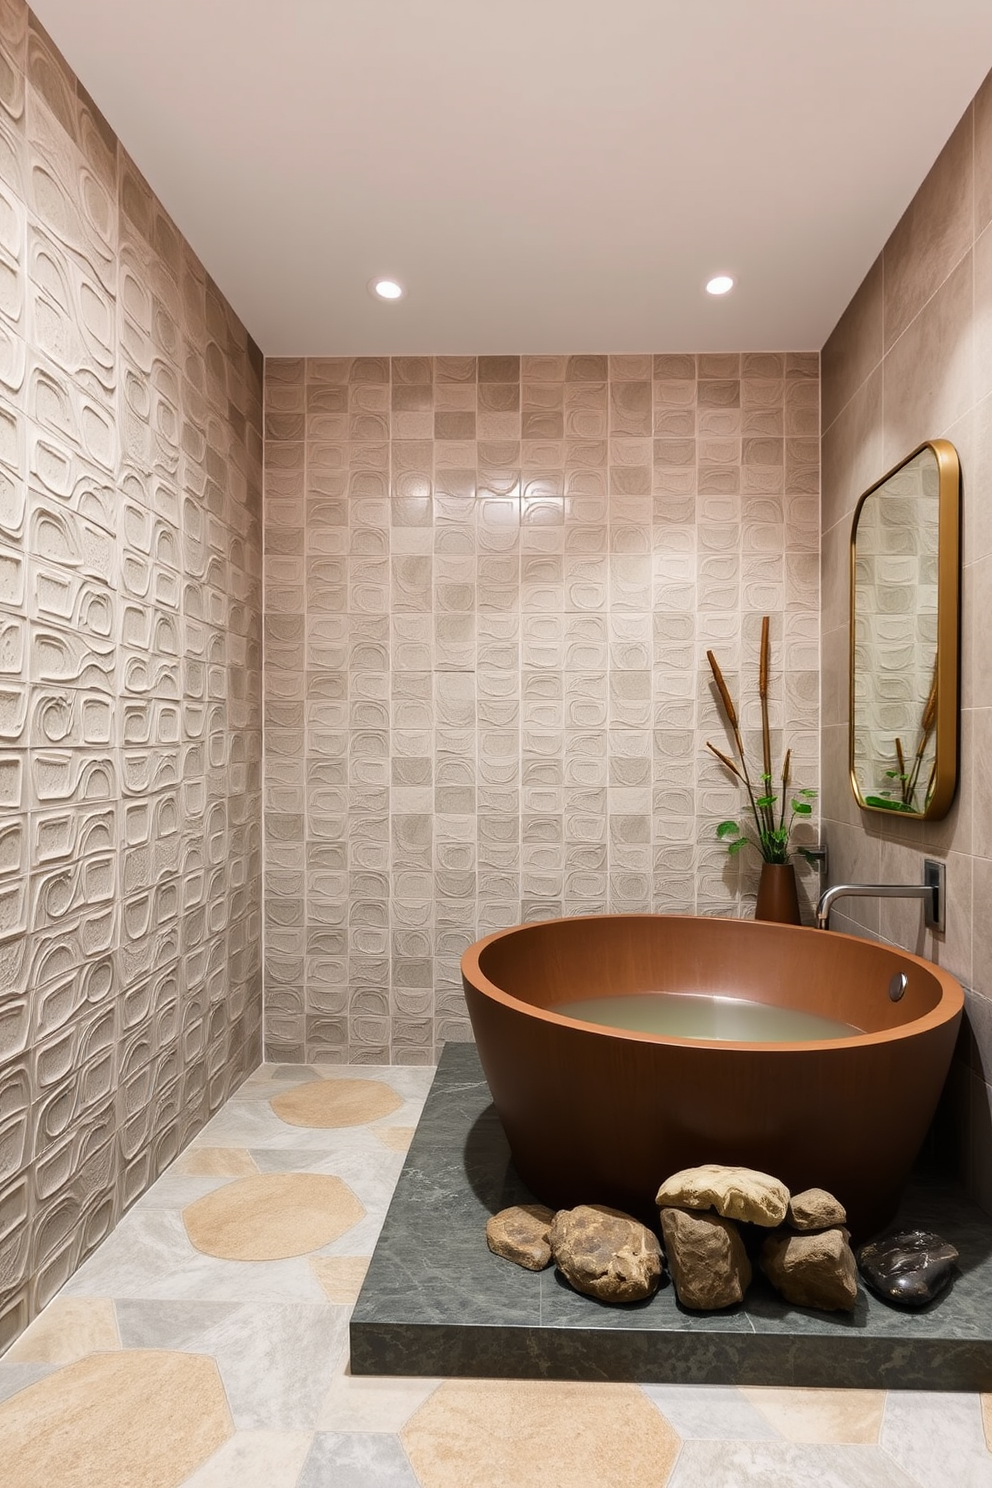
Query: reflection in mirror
(904,636)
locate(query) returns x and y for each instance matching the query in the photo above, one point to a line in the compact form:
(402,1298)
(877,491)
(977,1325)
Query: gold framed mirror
(905,602)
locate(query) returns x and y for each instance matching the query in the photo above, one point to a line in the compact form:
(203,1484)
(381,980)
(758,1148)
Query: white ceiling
(542,175)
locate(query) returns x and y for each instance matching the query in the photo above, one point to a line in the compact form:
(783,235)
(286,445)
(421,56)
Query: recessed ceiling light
(386,289)
(719,285)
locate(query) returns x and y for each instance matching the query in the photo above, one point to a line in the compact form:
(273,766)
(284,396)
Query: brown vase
(777,896)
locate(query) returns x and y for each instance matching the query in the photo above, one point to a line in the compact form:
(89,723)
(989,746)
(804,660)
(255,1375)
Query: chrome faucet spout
(931,891)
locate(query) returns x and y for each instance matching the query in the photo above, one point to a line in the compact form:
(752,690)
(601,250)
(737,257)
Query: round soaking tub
(602,1115)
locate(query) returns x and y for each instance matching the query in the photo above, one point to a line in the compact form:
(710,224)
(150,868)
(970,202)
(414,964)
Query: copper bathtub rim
(949,1004)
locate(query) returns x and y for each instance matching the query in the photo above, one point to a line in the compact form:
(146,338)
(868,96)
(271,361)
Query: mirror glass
(904,637)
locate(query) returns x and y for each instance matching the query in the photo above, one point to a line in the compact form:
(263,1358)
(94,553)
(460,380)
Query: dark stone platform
(437,1302)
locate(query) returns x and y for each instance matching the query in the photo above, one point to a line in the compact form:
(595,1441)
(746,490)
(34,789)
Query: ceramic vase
(777,896)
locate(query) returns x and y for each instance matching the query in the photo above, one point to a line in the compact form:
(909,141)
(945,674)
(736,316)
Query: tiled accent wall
(490,585)
(911,359)
(130,681)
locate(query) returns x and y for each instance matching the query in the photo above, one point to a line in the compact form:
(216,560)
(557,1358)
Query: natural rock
(520,1234)
(815,1209)
(908,1269)
(604,1253)
(706,1258)
(815,1270)
(736,1193)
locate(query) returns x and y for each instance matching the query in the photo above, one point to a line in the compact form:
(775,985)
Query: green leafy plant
(773,812)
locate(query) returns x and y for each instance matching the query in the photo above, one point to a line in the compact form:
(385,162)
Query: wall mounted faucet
(931,891)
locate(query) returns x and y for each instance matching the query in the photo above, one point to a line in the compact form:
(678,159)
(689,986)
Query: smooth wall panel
(490,586)
(130,666)
(908,361)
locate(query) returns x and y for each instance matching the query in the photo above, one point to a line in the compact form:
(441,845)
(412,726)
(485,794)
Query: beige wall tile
(936,379)
(852,451)
(138,770)
(835,693)
(485,658)
(928,380)
(835,575)
(983,156)
(983,314)
(854,347)
(933,235)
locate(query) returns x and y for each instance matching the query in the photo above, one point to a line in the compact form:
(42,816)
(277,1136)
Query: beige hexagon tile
(340,1276)
(272,1216)
(144,1417)
(396,1138)
(68,1329)
(325,1104)
(255,1459)
(374,1403)
(215,1162)
(532,1432)
(852,1416)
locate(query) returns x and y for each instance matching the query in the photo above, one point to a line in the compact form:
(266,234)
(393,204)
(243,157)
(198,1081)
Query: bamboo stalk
(724,759)
(731,712)
(927,723)
(728,702)
(901,766)
(785,785)
(766,739)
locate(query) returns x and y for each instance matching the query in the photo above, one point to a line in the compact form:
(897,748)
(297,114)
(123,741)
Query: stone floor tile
(767,1464)
(340,1276)
(357,1460)
(277,1362)
(852,1416)
(255,1459)
(272,1216)
(531,1433)
(215,1162)
(149,1256)
(336,1102)
(17,1377)
(69,1328)
(412,1082)
(362,1402)
(709,1412)
(939,1438)
(396,1138)
(146,1417)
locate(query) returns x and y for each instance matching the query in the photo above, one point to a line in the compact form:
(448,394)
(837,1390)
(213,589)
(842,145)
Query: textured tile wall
(911,359)
(130,681)
(490,585)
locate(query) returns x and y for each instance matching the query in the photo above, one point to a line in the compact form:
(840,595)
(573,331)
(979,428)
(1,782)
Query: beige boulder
(736,1193)
(815,1209)
(520,1234)
(814,1270)
(706,1257)
(604,1253)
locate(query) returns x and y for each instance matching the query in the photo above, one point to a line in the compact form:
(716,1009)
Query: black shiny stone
(909,1268)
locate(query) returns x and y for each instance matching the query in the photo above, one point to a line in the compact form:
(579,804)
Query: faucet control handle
(934,878)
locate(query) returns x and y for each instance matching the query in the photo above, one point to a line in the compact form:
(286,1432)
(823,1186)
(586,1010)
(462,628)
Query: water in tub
(695,1016)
